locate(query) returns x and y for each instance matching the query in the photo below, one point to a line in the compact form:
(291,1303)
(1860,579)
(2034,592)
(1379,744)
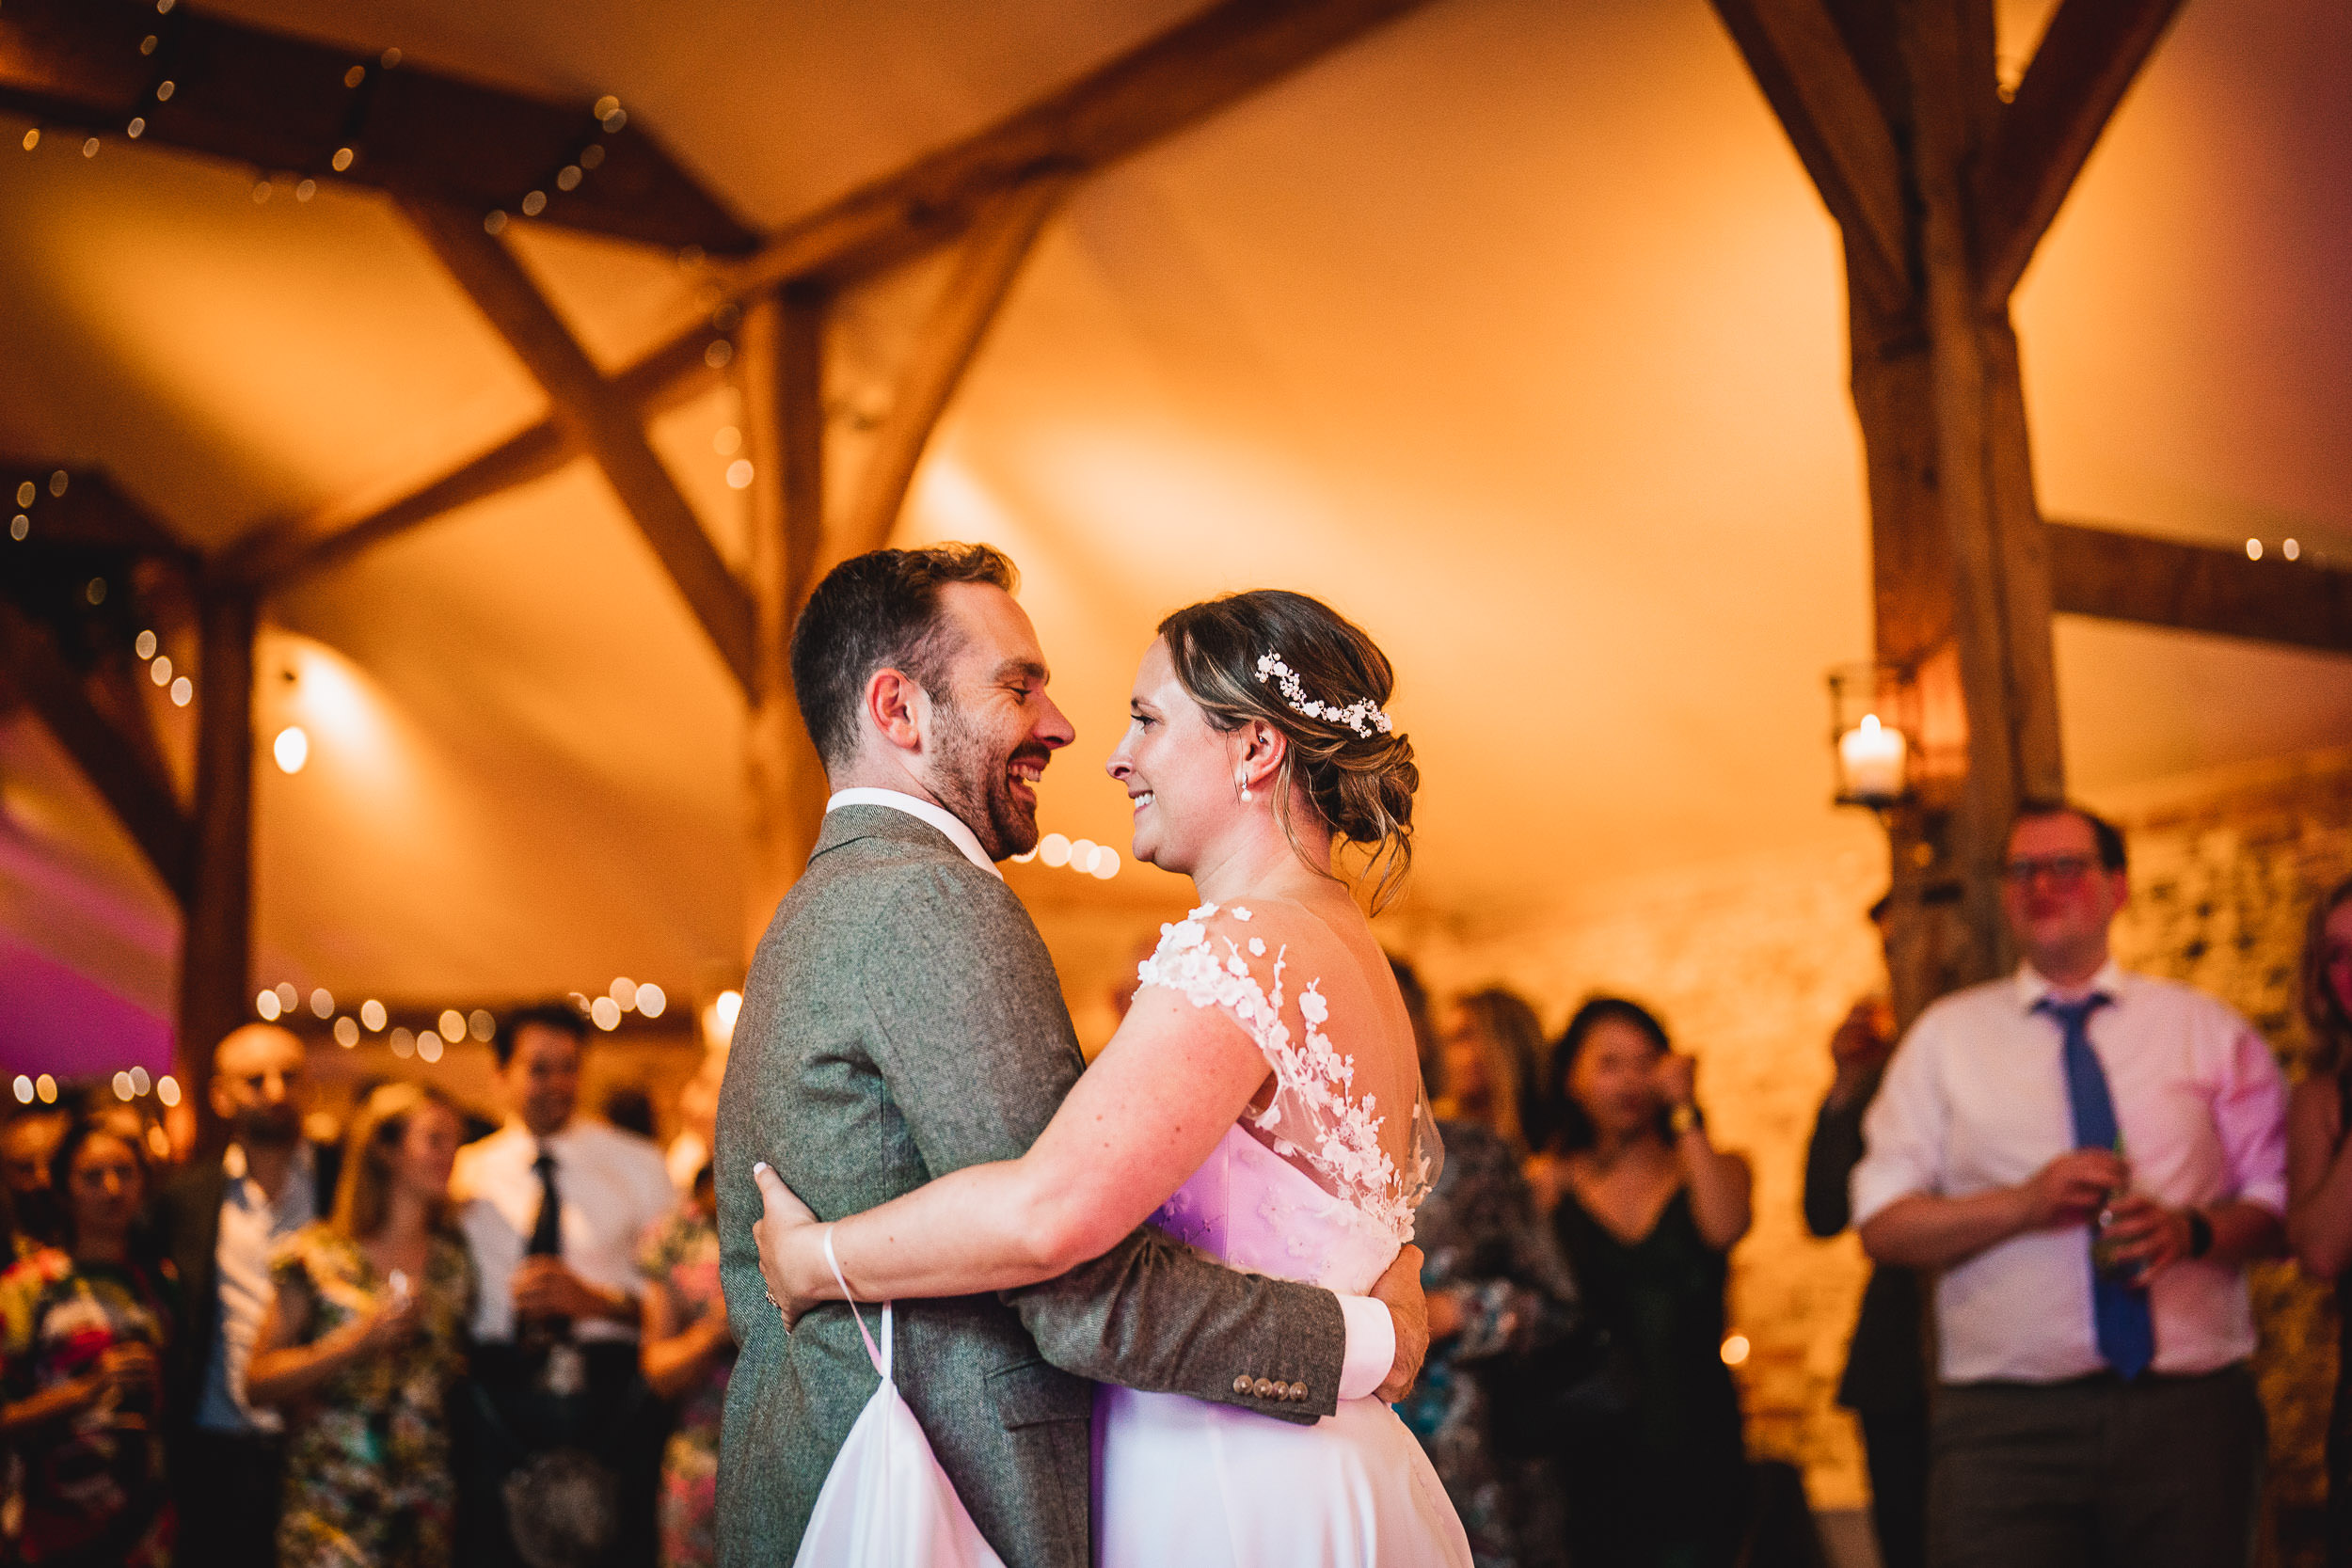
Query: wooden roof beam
(280,102)
(1173,81)
(984,274)
(1838,127)
(126,773)
(600,420)
(2087,59)
(2160,583)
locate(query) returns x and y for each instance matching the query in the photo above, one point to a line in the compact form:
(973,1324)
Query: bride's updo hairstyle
(1361,784)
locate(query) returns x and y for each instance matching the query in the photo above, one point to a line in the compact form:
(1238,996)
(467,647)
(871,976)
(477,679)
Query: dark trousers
(1895,1445)
(2162,1472)
(229,1488)
(501,1420)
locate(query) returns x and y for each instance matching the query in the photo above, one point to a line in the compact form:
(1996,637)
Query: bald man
(220,1219)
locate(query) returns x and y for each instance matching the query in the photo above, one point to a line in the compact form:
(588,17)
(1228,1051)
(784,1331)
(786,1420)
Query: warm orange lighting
(167,1091)
(452,1025)
(1736,1348)
(292,748)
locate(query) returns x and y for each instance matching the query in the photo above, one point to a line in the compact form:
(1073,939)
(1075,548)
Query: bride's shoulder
(1225,952)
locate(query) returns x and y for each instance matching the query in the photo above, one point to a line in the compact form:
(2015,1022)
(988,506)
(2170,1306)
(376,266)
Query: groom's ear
(898,708)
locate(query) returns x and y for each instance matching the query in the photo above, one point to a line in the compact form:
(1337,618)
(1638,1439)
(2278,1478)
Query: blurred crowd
(434,1340)
(443,1339)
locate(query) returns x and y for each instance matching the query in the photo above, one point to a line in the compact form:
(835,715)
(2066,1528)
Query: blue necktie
(2126,1330)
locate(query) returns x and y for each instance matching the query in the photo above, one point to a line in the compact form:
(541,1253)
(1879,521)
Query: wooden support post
(1960,558)
(1997,560)
(781,360)
(216,929)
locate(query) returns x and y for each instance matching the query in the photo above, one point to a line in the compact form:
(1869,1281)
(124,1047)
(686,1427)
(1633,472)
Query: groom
(902,1021)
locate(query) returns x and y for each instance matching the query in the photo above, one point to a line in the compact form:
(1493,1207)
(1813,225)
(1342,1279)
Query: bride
(1261,1101)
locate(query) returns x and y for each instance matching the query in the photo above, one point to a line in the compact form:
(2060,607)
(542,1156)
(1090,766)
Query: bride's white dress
(1188,1484)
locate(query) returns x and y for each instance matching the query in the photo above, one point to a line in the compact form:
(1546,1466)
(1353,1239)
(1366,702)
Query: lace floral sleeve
(1320,1118)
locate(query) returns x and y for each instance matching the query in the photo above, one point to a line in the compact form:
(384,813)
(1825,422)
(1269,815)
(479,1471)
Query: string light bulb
(32,139)
(182,691)
(292,748)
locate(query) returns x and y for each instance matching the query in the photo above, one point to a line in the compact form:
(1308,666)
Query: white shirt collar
(2032,986)
(938,816)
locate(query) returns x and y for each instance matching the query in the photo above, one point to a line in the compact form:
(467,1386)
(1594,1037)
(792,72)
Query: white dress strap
(881,1358)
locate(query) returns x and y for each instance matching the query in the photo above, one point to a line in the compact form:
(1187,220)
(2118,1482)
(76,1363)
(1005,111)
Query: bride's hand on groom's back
(1399,1290)
(781,1227)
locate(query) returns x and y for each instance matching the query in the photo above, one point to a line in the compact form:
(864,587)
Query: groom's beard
(975,780)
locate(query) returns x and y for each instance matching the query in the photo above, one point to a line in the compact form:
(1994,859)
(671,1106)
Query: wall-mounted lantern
(1875,729)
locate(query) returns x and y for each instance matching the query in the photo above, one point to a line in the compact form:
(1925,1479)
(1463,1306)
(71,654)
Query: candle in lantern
(1872,758)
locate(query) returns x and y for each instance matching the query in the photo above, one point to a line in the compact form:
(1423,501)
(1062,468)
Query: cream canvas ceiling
(1514,330)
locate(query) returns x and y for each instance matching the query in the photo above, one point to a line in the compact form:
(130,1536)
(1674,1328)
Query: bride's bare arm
(1138,1122)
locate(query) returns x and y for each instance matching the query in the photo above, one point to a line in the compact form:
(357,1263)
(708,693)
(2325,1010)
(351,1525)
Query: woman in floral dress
(687,1354)
(363,1342)
(82,1332)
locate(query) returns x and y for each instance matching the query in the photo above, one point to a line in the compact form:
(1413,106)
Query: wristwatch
(2199,1233)
(1684,1117)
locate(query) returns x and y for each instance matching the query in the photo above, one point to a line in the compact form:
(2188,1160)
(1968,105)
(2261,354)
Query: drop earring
(1243,780)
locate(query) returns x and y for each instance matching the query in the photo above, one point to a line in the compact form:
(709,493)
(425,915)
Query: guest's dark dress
(1481,1236)
(1885,1382)
(1663,1482)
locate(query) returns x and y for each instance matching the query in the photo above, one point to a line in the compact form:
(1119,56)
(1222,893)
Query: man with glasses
(221,1220)
(2089,1158)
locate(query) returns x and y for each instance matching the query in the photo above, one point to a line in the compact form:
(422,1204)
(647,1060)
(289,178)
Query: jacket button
(1241,1383)
(1298,1391)
(1265,1389)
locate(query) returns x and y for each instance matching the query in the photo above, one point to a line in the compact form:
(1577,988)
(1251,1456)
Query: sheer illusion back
(1320,1178)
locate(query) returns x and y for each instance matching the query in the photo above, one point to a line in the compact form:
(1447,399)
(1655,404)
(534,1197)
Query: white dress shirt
(958,832)
(1371,1331)
(1976,1100)
(251,1228)
(613,1187)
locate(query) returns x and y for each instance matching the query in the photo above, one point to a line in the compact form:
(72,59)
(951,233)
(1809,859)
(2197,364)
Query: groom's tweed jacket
(902,1021)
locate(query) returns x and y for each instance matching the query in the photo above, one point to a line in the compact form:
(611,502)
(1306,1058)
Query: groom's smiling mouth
(1022,774)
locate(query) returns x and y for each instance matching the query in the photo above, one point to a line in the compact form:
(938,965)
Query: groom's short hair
(880,611)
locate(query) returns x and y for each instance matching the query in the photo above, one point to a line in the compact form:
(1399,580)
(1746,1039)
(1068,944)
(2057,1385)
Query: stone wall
(1752,962)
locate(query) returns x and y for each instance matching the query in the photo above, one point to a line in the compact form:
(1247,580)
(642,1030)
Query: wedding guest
(1885,1378)
(220,1219)
(27,1143)
(688,1353)
(83,1330)
(697,1121)
(2319,1172)
(556,1207)
(1500,1302)
(363,1342)
(1489,1057)
(2089,1158)
(1648,1210)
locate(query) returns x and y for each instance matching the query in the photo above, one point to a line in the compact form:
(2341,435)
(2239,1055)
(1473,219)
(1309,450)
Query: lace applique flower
(1336,1136)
